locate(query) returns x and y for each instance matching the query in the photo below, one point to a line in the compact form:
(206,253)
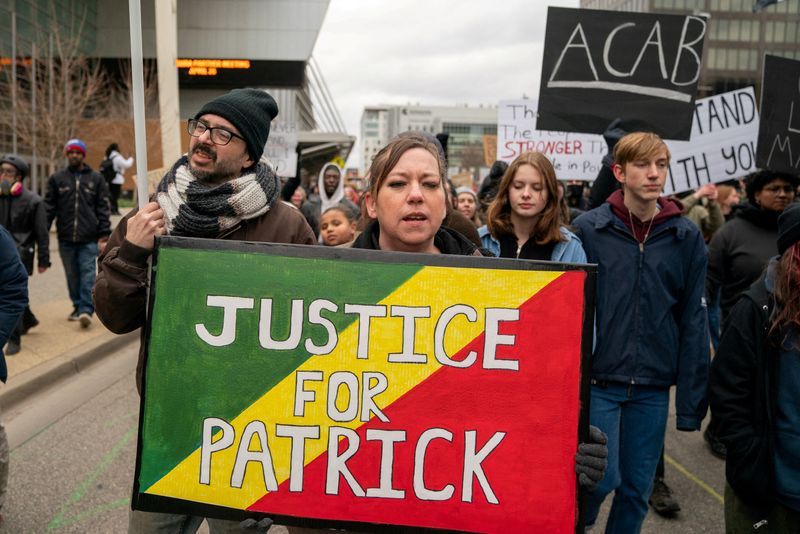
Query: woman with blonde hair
(524,220)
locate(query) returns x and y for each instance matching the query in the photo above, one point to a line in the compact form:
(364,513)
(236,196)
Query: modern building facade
(466,126)
(220,45)
(736,40)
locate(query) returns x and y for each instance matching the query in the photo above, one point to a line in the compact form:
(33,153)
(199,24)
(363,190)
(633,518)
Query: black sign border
(153,503)
(767,126)
(548,119)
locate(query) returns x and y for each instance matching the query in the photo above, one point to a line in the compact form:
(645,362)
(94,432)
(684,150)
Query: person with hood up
(331,193)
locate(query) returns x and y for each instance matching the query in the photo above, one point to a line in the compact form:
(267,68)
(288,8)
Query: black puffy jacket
(78,199)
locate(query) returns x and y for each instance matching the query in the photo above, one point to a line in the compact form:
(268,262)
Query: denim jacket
(567,251)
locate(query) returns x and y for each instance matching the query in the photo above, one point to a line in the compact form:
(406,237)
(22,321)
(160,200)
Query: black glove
(251,525)
(591,459)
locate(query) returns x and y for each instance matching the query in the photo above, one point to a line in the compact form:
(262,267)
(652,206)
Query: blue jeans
(635,419)
(80,266)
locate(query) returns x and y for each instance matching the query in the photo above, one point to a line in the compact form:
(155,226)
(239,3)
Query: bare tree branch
(65,87)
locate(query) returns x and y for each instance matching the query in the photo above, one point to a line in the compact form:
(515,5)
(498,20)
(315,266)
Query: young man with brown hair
(650,323)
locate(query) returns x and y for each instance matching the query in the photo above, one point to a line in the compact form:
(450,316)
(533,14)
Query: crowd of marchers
(699,292)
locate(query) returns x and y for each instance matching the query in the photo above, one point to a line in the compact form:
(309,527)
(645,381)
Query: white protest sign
(281,149)
(574,156)
(722,146)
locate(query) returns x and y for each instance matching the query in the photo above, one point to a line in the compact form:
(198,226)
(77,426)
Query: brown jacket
(120,293)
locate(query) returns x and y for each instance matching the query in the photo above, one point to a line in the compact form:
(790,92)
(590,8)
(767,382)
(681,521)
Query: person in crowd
(119,164)
(292,184)
(651,330)
(728,198)
(331,193)
(23,214)
(337,226)
(755,393)
(568,213)
(406,204)
(606,183)
(352,195)
(703,209)
(488,189)
(574,196)
(77,199)
(740,250)
(221,169)
(13,300)
(298,197)
(467,205)
(525,220)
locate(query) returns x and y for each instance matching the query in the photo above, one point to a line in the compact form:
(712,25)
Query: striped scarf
(197,209)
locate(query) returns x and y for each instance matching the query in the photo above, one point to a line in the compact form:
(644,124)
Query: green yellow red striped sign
(356,386)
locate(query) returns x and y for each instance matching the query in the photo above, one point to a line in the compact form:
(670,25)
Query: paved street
(50,303)
(74,448)
(74,445)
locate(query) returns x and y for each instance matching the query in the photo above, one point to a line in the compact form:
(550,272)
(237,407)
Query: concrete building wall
(232,29)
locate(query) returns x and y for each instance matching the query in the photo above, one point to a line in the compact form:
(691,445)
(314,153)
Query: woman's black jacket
(742,396)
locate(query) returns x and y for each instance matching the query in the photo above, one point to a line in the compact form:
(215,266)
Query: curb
(72,362)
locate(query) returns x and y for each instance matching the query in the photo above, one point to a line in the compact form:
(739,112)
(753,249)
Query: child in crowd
(337,226)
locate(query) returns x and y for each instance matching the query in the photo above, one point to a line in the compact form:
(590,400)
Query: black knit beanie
(251,111)
(788,227)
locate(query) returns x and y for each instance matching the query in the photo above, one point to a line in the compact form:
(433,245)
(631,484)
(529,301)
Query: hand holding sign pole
(134,12)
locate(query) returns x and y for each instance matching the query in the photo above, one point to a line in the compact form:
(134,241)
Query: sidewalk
(56,348)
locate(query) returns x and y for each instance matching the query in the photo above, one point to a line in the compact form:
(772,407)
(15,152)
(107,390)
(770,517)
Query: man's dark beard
(210,177)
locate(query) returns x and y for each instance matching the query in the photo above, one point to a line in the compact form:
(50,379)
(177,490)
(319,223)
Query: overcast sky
(431,52)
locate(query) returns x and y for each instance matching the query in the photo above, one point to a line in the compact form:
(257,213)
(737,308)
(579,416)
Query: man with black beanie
(221,190)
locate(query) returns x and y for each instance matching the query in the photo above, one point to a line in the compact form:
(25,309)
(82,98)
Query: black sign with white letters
(779,131)
(602,65)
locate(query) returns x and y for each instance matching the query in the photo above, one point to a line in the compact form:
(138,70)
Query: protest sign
(328,387)
(601,65)
(574,156)
(281,149)
(722,146)
(489,149)
(779,136)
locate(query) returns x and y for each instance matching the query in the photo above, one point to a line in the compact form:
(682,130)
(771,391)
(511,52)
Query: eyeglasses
(219,136)
(775,189)
(8,172)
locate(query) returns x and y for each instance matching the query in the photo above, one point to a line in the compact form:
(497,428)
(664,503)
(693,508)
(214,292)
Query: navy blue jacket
(13,292)
(650,320)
